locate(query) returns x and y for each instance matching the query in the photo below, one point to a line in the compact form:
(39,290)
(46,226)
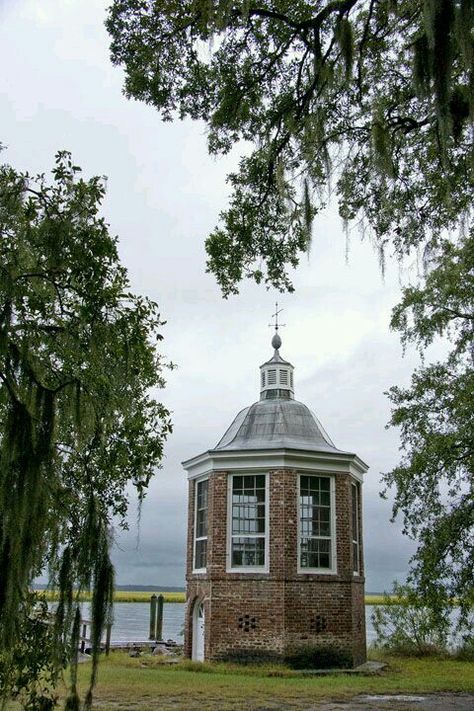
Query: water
(131,621)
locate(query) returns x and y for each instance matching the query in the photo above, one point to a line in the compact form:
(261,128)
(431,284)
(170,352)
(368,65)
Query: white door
(198,632)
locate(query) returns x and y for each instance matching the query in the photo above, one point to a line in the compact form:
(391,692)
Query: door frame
(196,626)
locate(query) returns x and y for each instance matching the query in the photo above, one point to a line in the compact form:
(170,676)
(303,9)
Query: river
(131,621)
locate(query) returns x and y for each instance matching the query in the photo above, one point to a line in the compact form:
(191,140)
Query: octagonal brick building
(274,554)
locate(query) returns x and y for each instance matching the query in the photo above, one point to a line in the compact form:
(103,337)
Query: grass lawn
(146,684)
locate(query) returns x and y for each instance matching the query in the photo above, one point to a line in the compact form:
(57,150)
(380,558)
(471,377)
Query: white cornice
(258,460)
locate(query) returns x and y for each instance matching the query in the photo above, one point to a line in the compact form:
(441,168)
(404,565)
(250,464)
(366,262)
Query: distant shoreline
(131,588)
(170,595)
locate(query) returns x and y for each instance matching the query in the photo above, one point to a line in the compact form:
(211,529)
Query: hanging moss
(308,213)
(345,38)
(422,65)
(26,451)
(381,143)
(96,558)
(459,110)
(73,701)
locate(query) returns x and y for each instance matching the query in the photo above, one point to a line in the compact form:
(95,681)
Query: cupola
(276,375)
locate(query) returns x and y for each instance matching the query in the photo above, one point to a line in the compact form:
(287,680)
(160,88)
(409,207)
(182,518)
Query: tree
(375,97)
(78,423)
(405,625)
(434,481)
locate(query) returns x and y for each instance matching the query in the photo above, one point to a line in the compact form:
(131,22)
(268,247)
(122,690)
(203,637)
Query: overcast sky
(58,90)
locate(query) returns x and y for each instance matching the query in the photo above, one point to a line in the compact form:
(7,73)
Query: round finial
(276,341)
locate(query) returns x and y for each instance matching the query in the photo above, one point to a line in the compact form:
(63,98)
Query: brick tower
(275,563)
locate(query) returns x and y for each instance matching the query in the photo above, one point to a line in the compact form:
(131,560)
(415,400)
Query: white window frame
(200,538)
(332,521)
(247,569)
(355,486)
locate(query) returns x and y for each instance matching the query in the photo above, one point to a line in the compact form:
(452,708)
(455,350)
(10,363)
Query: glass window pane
(200,551)
(201,554)
(248,517)
(315,522)
(325,501)
(355,527)
(248,552)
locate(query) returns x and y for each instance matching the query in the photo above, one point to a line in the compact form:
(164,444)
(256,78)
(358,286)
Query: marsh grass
(123,596)
(144,596)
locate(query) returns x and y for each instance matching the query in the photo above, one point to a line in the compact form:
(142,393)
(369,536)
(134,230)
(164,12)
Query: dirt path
(397,702)
(401,702)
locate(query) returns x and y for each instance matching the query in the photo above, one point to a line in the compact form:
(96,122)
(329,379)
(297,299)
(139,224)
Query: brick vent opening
(318,624)
(247,623)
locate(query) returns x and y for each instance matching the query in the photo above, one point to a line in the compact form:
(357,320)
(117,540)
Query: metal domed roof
(276,424)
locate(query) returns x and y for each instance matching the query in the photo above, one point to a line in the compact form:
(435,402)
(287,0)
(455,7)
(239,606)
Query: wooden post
(159,618)
(152,617)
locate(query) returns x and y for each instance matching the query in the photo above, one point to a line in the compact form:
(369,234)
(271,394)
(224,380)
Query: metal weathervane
(276,325)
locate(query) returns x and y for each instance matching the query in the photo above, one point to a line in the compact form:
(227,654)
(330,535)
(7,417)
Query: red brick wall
(267,612)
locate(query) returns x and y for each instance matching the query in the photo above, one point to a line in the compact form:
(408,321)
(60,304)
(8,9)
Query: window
(355,528)
(248,521)
(316,526)
(200,525)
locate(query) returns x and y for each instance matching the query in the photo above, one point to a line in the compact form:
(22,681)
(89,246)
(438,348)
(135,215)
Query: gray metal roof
(275,424)
(276,358)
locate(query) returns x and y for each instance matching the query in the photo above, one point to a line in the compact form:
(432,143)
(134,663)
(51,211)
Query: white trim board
(267,460)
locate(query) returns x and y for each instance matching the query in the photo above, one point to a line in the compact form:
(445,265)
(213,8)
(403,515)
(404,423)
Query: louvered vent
(291,379)
(272,377)
(283,377)
(262,377)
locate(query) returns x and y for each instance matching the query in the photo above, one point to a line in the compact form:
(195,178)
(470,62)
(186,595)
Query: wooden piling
(159,618)
(152,617)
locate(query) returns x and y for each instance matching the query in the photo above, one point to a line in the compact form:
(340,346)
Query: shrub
(318,656)
(30,671)
(464,651)
(250,656)
(408,624)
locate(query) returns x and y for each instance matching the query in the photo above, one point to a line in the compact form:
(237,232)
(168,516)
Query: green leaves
(407,623)
(376,95)
(77,423)
(433,482)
